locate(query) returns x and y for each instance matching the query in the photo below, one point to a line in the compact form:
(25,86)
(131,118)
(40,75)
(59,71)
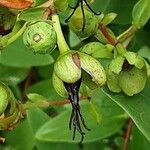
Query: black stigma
(76,116)
(80,2)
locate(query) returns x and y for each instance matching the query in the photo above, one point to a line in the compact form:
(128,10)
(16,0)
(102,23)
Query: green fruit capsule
(76,23)
(133,81)
(40,37)
(5,97)
(70,67)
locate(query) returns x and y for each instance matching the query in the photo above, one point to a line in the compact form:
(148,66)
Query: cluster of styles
(126,71)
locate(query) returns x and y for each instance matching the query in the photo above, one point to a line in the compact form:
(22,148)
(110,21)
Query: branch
(65,101)
(128,133)
(108,37)
(124,38)
(47,103)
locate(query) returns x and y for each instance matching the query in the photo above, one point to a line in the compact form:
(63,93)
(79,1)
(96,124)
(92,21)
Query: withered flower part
(76,115)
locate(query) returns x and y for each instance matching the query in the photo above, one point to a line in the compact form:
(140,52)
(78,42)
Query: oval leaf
(141,13)
(137,107)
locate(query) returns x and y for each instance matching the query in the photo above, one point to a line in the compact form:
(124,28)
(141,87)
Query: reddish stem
(27,84)
(65,101)
(128,133)
(108,37)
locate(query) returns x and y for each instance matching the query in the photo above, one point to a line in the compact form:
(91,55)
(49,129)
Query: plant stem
(62,45)
(125,37)
(108,37)
(47,103)
(128,133)
(127,34)
(19,33)
(26,84)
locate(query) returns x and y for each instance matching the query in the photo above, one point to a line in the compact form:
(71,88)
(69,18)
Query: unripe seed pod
(133,81)
(76,23)
(66,69)
(61,5)
(98,50)
(5,97)
(113,81)
(108,18)
(59,85)
(93,68)
(70,67)
(40,37)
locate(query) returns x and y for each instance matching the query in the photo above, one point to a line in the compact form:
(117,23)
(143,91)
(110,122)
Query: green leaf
(44,88)
(36,118)
(122,8)
(141,39)
(134,59)
(108,18)
(137,107)
(116,64)
(141,13)
(12,75)
(17,55)
(45,71)
(21,136)
(32,14)
(39,2)
(69,146)
(145,52)
(61,5)
(97,50)
(112,119)
(137,137)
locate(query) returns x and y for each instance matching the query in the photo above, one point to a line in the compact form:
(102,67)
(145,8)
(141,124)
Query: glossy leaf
(12,75)
(23,134)
(137,108)
(141,13)
(32,14)
(137,137)
(122,8)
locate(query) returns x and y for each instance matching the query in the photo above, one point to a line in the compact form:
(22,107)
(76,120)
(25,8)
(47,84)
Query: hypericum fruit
(132,81)
(76,23)
(40,37)
(72,66)
(82,3)
(6,96)
(127,73)
(9,110)
(60,5)
(67,78)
